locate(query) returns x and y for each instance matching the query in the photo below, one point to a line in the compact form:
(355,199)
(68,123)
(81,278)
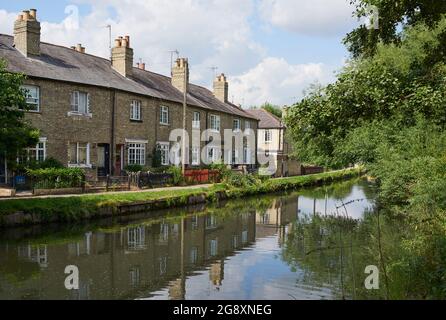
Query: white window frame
(30,99)
(75,104)
(215,123)
(135,110)
(237,127)
(139,148)
(77,164)
(165,153)
(37,148)
(196,122)
(268,136)
(247,124)
(164,115)
(196,152)
(216,156)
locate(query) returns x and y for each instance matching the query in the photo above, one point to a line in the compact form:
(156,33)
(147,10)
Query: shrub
(177,174)
(56,178)
(134,168)
(238,180)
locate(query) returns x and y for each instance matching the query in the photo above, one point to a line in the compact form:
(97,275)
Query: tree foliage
(393,14)
(15,132)
(401,82)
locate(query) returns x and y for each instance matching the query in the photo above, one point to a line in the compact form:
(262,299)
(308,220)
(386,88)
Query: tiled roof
(65,64)
(267,120)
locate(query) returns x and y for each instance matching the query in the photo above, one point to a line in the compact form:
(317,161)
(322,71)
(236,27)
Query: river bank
(20,212)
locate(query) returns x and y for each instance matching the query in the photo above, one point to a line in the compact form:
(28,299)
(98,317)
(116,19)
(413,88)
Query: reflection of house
(272,141)
(281,213)
(217,273)
(133,262)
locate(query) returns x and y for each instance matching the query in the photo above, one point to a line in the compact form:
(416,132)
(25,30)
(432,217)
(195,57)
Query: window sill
(165,124)
(136,121)
(78,114)
(82,166)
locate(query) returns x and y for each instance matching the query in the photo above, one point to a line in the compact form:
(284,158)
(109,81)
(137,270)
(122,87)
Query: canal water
(312,244)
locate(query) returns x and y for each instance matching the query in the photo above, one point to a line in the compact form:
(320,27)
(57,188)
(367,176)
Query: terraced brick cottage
(102,115)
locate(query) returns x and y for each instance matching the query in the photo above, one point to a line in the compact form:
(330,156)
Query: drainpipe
(112,146)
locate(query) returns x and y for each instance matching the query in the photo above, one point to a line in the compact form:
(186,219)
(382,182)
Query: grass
(86,206)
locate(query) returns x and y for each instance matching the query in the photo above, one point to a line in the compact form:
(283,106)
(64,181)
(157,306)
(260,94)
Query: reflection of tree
(27,270)
(333,252)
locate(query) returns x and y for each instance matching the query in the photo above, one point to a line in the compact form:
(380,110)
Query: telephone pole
(183,151)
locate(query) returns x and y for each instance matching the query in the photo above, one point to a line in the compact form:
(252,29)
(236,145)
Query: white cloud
(209,32)
(7,22)
(309,17)
(276,81)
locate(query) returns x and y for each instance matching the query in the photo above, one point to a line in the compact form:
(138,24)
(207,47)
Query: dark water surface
(313,244)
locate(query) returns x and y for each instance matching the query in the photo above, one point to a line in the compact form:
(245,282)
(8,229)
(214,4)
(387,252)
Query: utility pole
(109,27)
(214,69)
(183,151)
(172,52)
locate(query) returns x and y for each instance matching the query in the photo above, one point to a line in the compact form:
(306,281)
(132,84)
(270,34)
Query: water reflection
(275,247)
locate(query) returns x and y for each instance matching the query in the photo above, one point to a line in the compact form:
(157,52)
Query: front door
(103,160)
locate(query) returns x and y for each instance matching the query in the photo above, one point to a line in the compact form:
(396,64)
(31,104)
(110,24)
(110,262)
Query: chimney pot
(221,88)
(73,47)
(27,33)
(26,15)
(33,13)
(122,56)
(143,66)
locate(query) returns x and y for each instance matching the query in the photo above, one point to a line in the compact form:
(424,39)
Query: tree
(400,82)
(15,133)
(363,41)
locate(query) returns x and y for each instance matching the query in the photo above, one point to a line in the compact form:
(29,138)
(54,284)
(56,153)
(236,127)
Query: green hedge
(56,178)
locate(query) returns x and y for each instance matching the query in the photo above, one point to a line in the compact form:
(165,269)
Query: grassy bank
(64,209)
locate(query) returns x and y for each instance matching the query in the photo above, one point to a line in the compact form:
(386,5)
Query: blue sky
(271,50)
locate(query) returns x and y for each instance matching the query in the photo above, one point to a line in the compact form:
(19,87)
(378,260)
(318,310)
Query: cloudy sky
(271,50)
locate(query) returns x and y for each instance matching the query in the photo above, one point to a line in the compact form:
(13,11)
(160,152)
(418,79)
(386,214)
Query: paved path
(206,186)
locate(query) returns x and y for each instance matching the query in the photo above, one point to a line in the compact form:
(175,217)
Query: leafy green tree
(15,132)
(364,41)
(399,82)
